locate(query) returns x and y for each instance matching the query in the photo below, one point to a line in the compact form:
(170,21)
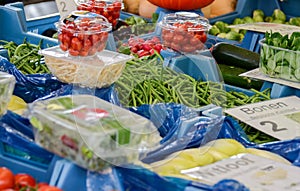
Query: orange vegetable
(181,4)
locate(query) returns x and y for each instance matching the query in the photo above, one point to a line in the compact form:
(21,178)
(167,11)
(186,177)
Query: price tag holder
(65,7)
(279,118)
(257,74)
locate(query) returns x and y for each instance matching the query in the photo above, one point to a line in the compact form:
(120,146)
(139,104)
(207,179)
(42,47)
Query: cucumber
(231,77)
(233,55)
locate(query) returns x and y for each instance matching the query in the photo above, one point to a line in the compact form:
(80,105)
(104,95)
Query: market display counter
(185,118)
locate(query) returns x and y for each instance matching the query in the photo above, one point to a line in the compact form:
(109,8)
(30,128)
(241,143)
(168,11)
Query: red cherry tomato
(48,188)
(76,44)
(6,178)
(188,48)
(117,5)
(178,39)
(40,184)
(168,37)
(73,52)
(194,41)
(24,180)
(202,37)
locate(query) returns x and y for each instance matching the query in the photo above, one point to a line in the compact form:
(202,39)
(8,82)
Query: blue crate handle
(200,66)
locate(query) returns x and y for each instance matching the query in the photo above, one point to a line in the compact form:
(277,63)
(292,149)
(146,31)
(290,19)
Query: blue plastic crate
(68,176)
(290,7)
(200,66)
(251,41)
(40,168)
(245,8)
(21,154)
(37,25)
(17,31)
(279,90)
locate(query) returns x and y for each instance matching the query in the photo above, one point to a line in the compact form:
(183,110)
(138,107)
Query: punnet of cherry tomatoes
(22,182)
(184,31)
(83,33)
(108,8)
(140,47)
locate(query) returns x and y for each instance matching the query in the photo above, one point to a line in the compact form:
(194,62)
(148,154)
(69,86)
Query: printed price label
(257,173)
(279,118)
(65,7)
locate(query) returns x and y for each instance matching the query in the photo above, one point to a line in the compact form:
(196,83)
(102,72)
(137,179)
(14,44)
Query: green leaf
(271,64)
(297,73)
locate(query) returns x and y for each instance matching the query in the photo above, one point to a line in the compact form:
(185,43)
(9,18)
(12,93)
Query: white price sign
(255,172)
(279,118)
(65,7)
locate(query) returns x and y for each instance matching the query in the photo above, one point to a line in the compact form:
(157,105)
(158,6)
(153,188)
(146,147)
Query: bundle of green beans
(25,56)
(146,81)
(149,82)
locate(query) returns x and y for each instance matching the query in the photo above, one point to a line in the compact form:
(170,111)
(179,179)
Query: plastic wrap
(138,178)
(197,132)
(103,181)
(7,84)
(108,94)
(91,132)
(30,87)
(166,117)
(289,149)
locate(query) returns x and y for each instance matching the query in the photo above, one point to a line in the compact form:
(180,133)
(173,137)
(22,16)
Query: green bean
(25,55)
(260,93)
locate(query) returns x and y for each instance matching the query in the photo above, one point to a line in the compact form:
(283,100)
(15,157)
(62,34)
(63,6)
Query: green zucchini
(233,55)
(231,77)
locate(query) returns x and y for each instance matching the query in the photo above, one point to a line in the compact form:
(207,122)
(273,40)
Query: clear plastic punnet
(111,9)
(83,33)
(97,71)
(91,132)
(7,84)
(277,62)
(184,31)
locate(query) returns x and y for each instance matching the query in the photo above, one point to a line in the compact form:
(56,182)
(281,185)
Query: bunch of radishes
(144,47)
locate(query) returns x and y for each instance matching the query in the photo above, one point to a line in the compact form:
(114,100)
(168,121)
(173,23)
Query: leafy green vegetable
(233,35)
(214,30)
(248,19)
(258,12)
(279,15)
(258,19)
(280,56)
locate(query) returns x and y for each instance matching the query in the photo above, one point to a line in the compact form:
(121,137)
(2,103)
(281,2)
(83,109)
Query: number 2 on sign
(65,7)
(273,125)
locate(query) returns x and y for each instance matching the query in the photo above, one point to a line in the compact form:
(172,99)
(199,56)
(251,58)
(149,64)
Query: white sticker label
(255,172)
(279,118)
(65,7)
